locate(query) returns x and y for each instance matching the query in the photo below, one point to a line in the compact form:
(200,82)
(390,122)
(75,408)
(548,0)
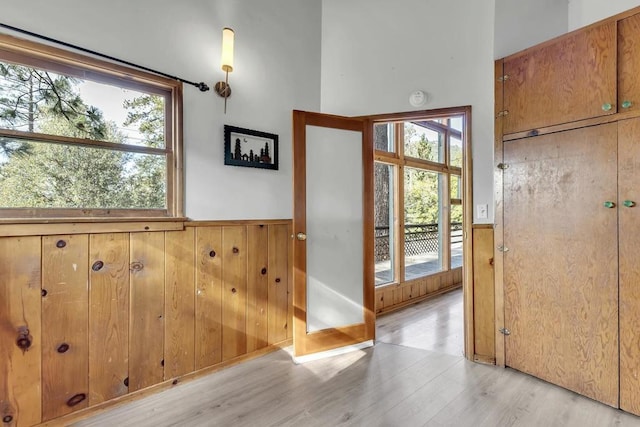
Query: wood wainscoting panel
(179,304)
(208,315)
(65,323)
(483,294)
(108,316)
(396,296)
(20,320)
(234,291)
(278,284)
(146,326)
(257,287)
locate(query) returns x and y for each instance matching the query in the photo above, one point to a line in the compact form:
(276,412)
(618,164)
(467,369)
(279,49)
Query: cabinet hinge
(503,166)
(503,113)
(503,248)
(503,78)
(504,331)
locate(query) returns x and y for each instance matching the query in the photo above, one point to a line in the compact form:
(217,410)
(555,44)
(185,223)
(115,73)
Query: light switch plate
(482,211)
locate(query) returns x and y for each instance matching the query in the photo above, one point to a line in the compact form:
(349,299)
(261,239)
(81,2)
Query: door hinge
(503,166)
(504,331)
(503,248)
(503,113)
(503,78)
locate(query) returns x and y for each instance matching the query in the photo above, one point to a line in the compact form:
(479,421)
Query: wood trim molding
(498,257)
(47,229)
(229,222)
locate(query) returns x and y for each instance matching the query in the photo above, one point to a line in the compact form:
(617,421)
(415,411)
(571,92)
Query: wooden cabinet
(560,275)
(629,223)
(629,63)
(571,210)
(566,80)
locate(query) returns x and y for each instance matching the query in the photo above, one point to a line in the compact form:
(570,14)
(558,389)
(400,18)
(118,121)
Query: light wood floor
(414,376)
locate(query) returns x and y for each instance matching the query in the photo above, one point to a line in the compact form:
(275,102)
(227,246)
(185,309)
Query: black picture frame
(240,143)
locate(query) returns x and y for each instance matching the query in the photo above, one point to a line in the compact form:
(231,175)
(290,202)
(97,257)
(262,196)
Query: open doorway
(422,161)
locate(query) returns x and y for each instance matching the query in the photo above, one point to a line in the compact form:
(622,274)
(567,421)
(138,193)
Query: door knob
(629,203)
(301,236)
(609,205)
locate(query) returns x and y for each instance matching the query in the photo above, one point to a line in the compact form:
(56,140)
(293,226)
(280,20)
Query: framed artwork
(250,148)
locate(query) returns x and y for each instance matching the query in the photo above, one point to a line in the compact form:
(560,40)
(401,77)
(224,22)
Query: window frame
(398,158)
(33,54)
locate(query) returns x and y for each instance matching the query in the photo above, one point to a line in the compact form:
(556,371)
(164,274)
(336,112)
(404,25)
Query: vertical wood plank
(483,293)
(179,341)
(257,286)
(290,281)
(65,320)
(234,292)
(108,316)
(146,321)
(208,296)
(278,294)
(20,319)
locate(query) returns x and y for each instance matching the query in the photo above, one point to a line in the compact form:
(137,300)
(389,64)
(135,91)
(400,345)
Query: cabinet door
(629,63)
(629,217)
(572,78)
(560,275)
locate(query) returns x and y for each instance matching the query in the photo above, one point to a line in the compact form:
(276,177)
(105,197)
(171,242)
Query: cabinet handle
(629,203)
(626,104)
(609,205)
(607,107)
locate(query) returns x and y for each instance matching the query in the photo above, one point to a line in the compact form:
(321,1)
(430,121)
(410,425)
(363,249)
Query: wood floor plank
(388,385)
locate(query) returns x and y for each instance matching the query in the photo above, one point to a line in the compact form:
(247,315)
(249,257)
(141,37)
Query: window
(82,137)
(418,197)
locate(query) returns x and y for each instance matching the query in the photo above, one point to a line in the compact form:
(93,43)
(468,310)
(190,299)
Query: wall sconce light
(222,88)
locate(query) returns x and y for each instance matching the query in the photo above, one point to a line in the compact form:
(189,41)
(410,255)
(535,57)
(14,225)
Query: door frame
(467,206)
(329,339)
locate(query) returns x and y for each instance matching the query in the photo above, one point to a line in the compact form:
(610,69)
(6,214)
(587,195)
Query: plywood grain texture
(257,287)
(629,64)
(234,291)
(564,81)
(278,284)
(20,319)
(561,293)
(629,270)
(208,314)
(65,322)
(146,325)
(180,289)
(108,316)
(483,294)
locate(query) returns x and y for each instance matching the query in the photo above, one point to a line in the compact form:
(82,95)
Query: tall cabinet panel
(629,217)
(570,79)
(629,63)
(561,284)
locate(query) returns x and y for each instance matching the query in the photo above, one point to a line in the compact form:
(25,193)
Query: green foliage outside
(44,175)
(421,188)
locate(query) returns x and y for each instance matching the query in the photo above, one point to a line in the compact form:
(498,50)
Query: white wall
(525,23)
(585,12)
(376,52)
(277,69)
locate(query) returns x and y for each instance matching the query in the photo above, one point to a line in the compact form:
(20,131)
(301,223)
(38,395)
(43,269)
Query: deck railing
(418,239)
